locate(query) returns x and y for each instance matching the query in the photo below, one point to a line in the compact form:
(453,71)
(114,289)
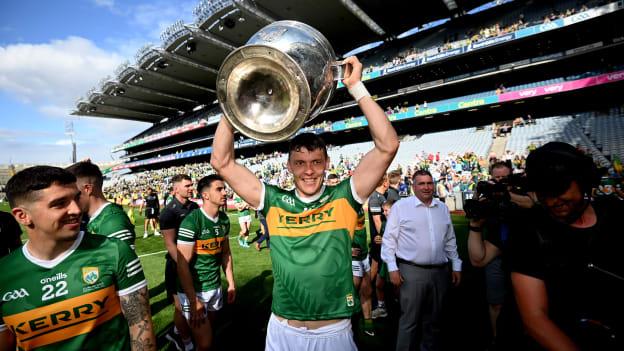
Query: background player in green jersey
(105,218)
(304,295)
(203,249)
(244,220)
(66,290)
(361,272)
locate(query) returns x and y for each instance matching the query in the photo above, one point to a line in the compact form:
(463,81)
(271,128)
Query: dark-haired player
(105,218)
(170,218)
(65,290)
(312,227)
(203,249)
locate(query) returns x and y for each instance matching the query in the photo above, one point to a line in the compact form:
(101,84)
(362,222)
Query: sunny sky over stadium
(53,52)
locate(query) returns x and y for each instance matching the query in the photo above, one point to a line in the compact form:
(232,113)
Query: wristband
(476,229)
(358,91)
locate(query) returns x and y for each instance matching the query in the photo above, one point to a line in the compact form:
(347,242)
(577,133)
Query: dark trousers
(421,296)
(265,233)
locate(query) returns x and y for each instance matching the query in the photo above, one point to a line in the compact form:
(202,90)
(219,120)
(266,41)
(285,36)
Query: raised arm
(136,308)
(375,163)
(242,180)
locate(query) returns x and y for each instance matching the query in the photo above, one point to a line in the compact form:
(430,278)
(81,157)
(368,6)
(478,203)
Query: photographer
(495,204)
(566,272)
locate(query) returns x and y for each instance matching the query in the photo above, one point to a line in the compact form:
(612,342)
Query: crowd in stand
(473,35)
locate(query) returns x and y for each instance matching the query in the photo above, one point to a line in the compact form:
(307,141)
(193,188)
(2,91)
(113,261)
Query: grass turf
(243,324)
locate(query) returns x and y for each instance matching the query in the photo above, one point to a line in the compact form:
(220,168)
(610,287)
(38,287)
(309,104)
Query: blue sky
(51,53)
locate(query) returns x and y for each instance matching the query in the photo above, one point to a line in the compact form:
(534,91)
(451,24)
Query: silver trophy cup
(283,77)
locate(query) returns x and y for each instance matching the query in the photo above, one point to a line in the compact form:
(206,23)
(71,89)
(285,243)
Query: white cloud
(50,77)
(54,73)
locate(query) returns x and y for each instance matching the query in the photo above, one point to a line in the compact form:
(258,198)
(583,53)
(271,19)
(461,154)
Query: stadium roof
(172,78)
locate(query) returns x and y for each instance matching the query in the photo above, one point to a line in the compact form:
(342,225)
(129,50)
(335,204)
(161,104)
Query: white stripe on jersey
(119,232)
(186,235)
(125,237)
(133,262)
(133,288)
(185,242)
(133,267)
(3,327)
(134,272)
(186,231)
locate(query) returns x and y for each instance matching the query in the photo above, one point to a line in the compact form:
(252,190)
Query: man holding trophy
(311,226)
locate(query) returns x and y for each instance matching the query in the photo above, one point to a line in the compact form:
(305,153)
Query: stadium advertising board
(445,54)
(403,66)
(492,41)
(563,86)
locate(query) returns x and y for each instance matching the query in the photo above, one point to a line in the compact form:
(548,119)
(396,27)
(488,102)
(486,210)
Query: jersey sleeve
(130,276)
(118,228)
(187,231)
(167,219)
(525,253)
(266,197)
(374,204)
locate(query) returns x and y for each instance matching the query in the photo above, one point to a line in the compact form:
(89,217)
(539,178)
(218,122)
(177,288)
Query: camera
(493,199)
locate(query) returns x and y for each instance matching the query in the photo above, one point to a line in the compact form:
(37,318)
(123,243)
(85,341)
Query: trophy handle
(339,69)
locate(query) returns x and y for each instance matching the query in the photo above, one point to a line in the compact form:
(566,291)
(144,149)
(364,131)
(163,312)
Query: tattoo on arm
(135,307)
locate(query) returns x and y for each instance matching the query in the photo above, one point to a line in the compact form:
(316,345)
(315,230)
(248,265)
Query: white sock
(188,344)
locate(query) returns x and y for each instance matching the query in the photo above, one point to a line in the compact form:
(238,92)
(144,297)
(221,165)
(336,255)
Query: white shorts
(212,299)
(334,337)
(360,267)
(244,219)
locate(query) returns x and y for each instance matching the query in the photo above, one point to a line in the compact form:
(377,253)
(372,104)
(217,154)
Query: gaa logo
(15,294)
(90,275)
(289,200)
(350,301)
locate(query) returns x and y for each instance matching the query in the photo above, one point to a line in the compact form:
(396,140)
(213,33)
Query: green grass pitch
(242,324)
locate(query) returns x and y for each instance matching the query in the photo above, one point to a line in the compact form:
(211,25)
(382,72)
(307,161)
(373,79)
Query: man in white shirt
(418,244)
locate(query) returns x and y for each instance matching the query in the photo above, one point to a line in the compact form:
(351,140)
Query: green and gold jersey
(71,302)
(111,221)
(311,251)
(208,235)
(239,202)
(359,240)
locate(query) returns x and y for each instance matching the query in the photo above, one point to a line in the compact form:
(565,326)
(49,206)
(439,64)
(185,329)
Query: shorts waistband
(329,329)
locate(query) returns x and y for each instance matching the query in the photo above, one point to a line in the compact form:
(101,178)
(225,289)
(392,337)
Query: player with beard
(566,272)
(312,227)
(170,218)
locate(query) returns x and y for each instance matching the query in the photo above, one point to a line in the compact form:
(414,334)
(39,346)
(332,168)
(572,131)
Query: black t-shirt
(173,214)
(151,201)
(10,233)
(573,263)
(392,194)
(375,202)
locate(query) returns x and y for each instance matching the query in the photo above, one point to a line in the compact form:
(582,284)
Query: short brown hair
(394,177)
(309,141)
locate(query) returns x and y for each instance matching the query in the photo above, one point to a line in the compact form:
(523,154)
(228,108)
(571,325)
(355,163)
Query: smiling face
(308,169)
(423,188)
(54,213)
(568,206)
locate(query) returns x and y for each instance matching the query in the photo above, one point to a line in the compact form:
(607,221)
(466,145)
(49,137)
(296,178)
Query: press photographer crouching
(567,272)
(497,203)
